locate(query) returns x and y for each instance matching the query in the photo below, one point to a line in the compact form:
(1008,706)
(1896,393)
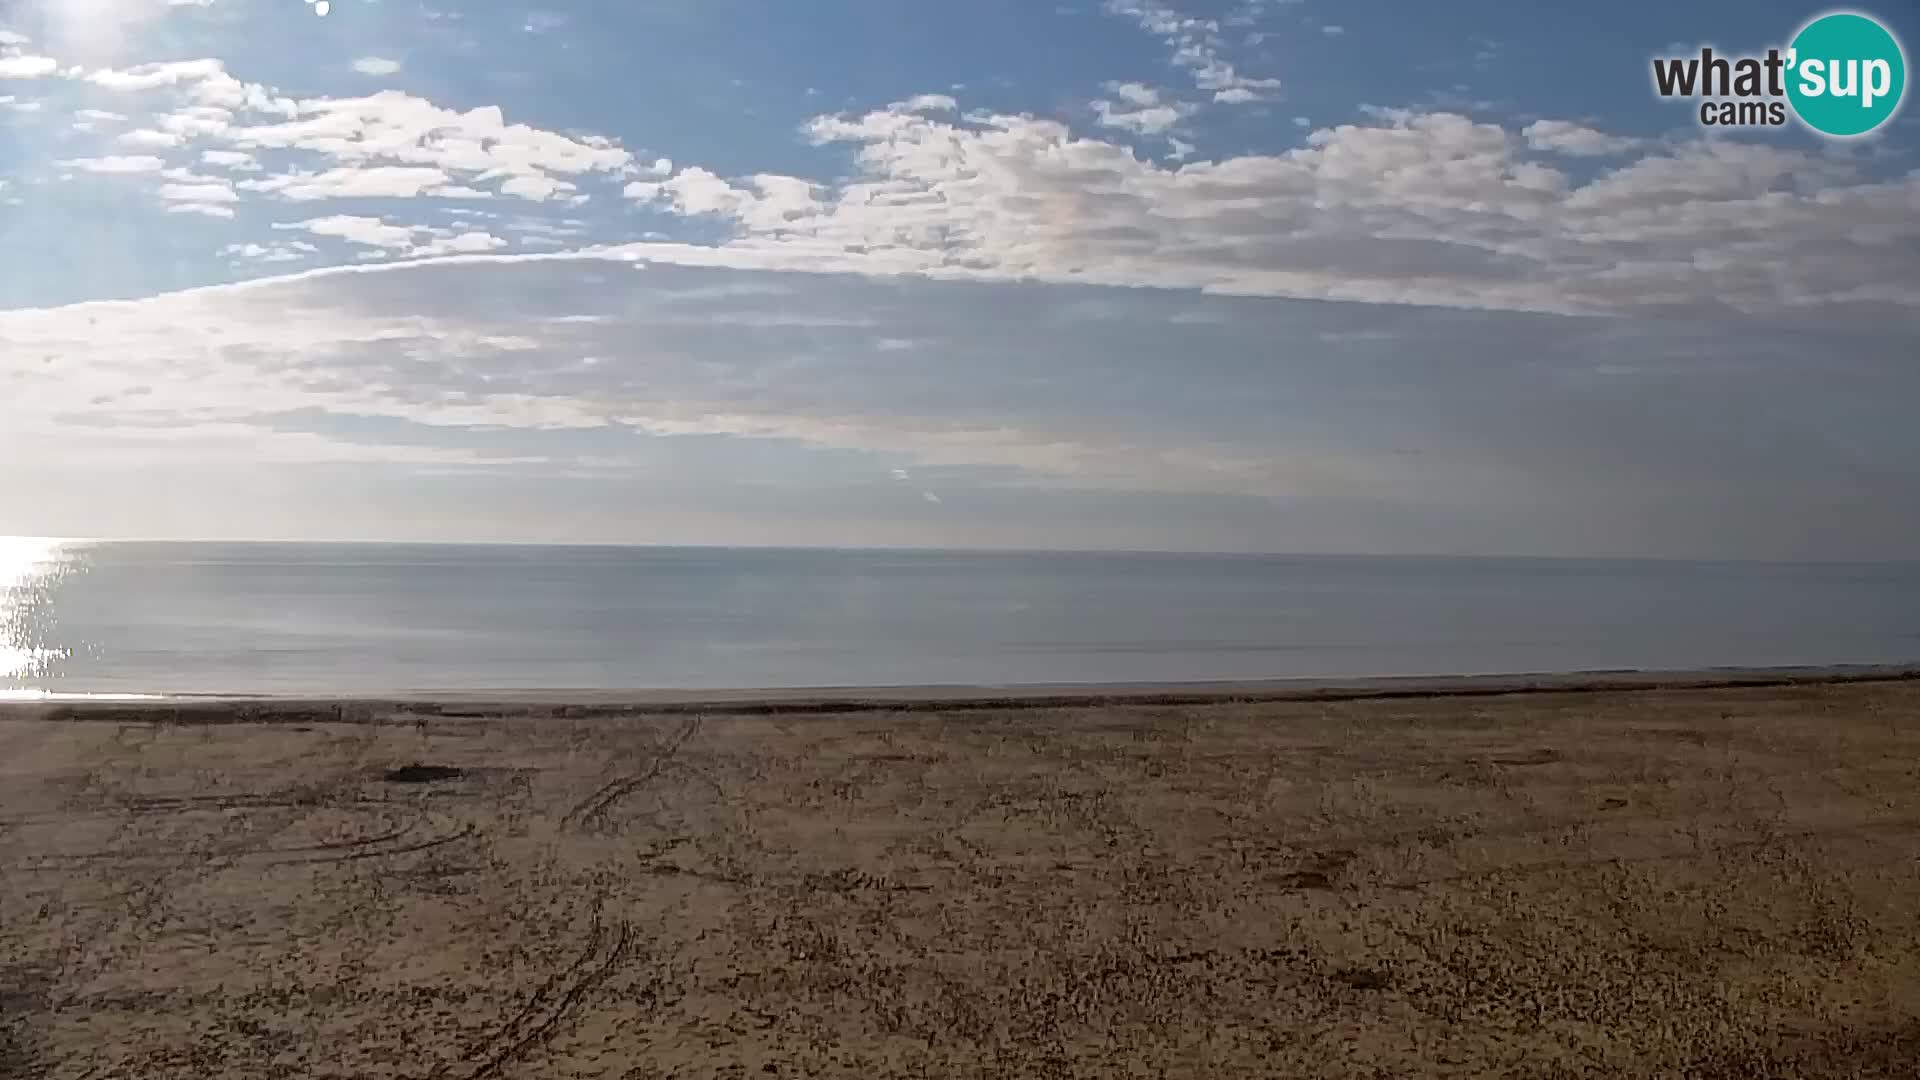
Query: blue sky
(1237,274)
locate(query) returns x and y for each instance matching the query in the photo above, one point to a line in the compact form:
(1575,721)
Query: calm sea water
(333,618)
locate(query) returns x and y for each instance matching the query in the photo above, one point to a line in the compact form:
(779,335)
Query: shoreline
(413,706)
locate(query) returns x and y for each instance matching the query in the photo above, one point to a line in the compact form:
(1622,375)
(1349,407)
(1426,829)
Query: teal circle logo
(1846,74)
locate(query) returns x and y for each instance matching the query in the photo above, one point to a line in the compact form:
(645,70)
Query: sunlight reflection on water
(30,567)
(9,694)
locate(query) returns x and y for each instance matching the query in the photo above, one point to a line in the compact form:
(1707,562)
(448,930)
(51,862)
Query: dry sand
(1682,882)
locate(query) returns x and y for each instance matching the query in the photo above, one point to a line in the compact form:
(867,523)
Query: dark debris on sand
(417,773)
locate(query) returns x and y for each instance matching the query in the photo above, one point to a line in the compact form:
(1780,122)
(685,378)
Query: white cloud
(536,188)
(1136,94)
(211,95)
(763,203)
(929,103)
(270,253)
(154,76)
(415,241)
(1333,31)
(138,163)
(1145,120)
(1703,183)
(9,37)
(376,65)
(197,121)
(394,131)
(214,210)
(231,159)
(463,243)
(369,232)
(380,182)
(206,192)
(27,67)
(1578,140)
(147,137)
(389,144)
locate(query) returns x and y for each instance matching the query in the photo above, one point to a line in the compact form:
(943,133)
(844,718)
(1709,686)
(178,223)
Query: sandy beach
(1698,881)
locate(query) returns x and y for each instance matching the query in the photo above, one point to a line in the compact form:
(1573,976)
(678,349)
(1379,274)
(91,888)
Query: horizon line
(935,549)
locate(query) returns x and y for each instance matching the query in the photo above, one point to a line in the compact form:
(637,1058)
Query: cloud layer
(1463,427)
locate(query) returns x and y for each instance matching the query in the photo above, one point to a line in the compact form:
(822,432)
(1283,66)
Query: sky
(1247,275)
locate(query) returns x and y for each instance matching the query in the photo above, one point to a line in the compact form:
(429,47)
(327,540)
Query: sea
(111,618)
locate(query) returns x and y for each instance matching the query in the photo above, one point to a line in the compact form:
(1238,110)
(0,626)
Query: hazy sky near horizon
(1215,274)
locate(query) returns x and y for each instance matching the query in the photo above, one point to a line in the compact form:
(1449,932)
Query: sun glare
(27,565)
(23,557)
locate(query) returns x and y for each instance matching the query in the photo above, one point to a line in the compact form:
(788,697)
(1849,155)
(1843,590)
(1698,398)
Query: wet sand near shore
(1685,881)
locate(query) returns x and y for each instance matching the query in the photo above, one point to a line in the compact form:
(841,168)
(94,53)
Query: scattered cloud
(370,232)
(155,76)
(379,182)
(930,103)
(1422,208)
(213,210)
(376,65)
(136,163)
(231,159)
(1409,206)
(1140,109)
(1578,140)
(218,191)
(27,67)
(387,145)
(147,137)
(270,253)
(1197,47)
(469,242)
(406,141)
(413,241)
